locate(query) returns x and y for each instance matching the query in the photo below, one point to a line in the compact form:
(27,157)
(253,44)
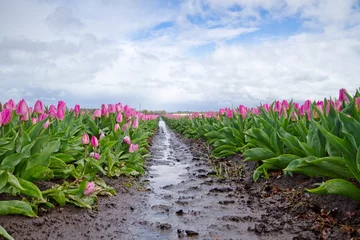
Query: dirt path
(179,198)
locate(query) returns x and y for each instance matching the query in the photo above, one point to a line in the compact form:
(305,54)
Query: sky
(178,55)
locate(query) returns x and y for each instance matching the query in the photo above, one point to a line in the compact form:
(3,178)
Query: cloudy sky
(178,54)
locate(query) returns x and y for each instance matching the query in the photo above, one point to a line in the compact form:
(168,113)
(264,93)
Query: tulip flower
(85,139)
(127,140)
(42,116)
(94,141)
(46,124)
(25,117)
(39,108)
(90,188)
(22,108)
(133,148)
(34,120)
(124,127)
(52,111)
(111,108)
(117,126)
(102,135)
(97,113)
(6,116)
(10,105)
(77,110)
(343,96)
(357,104)
(61,106)
(1,120)
(136,122)
(94,155)
(103,109)
(60,114)
(119,117)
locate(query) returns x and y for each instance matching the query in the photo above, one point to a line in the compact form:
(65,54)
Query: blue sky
(178,55)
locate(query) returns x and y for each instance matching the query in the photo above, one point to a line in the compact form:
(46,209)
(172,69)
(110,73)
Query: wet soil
(184,195)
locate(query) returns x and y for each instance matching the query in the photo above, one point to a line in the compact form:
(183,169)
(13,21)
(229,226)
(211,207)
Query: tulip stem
(2,131)
(20,132)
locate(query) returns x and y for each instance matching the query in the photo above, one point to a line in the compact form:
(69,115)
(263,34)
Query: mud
(185,196)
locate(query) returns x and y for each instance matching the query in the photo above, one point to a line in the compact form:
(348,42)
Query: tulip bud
(22,108)
(136,122)
(1,121)
(119,117)
(357,104)
(94,141)
(343,96)
(97,113)
(90,188)
(38,108)
(34,120)
(60,114)
(133,148)
(6,116)
(62,106)
(46,124)
(102,135)
(117,126)
(25,117)
(85,139)
(127,140)
(77,110)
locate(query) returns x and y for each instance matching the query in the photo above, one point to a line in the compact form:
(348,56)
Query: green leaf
(14,182)
(258,154)
(30,189)
(5,234)
(350,127)
(3,179)
(10,162)
(339,187)
(65,157)
(38,173)
(16,207)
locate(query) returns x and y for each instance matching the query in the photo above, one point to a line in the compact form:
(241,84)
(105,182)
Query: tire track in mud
(186,201)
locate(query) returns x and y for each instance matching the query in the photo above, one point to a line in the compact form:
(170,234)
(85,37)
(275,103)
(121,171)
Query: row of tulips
(320,138)
(76,145)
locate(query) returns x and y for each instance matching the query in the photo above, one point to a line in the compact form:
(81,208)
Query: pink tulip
(42,116)
(77,110)
(357,104)
(60,114)
(111,108)
(97,113)
(338,105)
(46,124)
(52,111)
(103,109)
(6,116)
(117,126)
(127,140)
(95,155)
(94,141)
(133,148)
(1,120)
(124,127)
(136,122)
(243,111)
(10,105)
(119,117)
(85,139)
(343,96)
(61,106)
(277,106)
(25,117)
(102,135)
(34,120)
(229,113)
(22,108)
(39,108)
(90,188)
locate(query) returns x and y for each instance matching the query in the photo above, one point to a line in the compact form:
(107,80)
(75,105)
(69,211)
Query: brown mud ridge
(183,197)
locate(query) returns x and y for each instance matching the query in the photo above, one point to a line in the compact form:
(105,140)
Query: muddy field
(185,196)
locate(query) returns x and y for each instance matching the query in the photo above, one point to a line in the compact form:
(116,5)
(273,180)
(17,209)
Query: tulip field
(320,138)
(76,146)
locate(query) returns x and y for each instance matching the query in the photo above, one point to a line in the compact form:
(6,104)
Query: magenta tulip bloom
(103,109)
(52,111)
(111,108)
(39,108)
(136,122)
(343,96)
(90,188)
(25,117)
(34,120)
(22,108)
(95,155)
(10,105)
(94,141)
(77,110)
(46,124)
(127,140)
(357,104)
(119,117)
(85,139)
(102,135)
(97,113)
(6,116)
(1,121)
(61,106)
(133,148)
(117,126)
(124,127)
(60,114)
